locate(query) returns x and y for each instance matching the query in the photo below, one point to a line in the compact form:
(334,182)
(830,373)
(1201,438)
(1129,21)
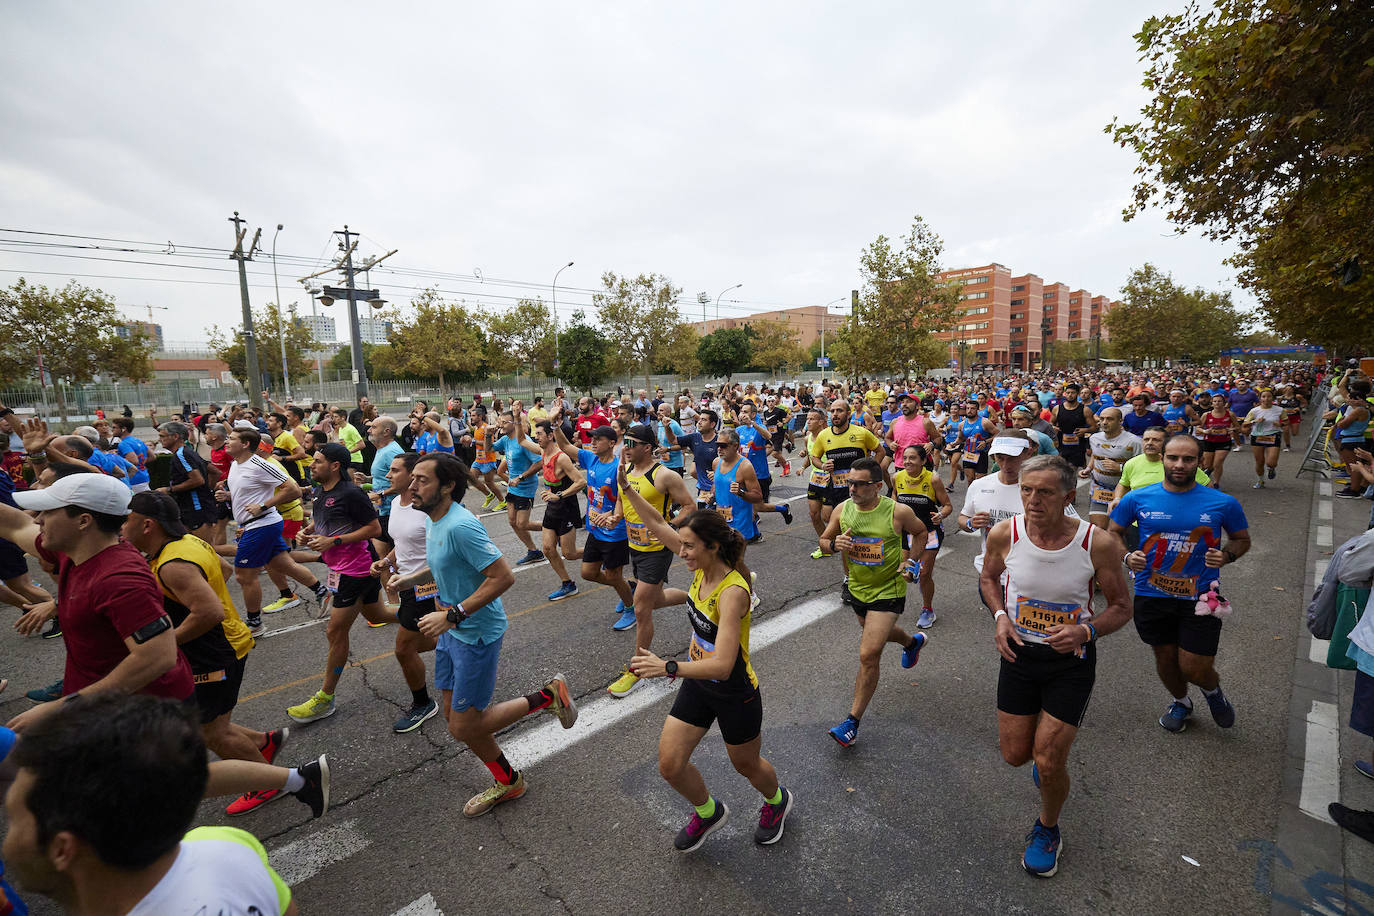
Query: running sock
(708,810)
(540,700)
(420,697)
(501,771)
(776,798)
(295,781)
(1212,693)
(912,643)
(1186,701)
(287,593)
(567,582)
(320,591)
(1053,830)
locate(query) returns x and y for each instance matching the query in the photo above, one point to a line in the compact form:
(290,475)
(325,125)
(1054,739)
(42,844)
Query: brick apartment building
(1002,317)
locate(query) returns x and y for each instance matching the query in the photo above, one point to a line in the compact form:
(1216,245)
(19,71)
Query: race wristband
(1001,612)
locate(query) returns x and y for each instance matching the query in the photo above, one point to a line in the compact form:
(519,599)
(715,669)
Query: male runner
(975,434)
(134,450)
(382,433)
(1141,416)
(1037,579)
(833,452)
(189,480)
(468,624)
(486,461)
(649,561)
(563,480)
(520,463)
(910,427)
(1181,553)
(735,488)
(875,534)
(704,447)
(1109,449)
(1075,422)
(607,548)
(342,521)
(755,444)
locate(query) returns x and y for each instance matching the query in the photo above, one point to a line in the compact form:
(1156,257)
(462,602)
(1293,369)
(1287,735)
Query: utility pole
(356,345)
(250,346)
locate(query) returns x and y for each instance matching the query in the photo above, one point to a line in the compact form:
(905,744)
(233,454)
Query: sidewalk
(1314,866)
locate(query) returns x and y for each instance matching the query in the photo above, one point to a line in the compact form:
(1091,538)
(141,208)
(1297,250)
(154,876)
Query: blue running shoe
(1223,713)
(1043,846)
(1035,774)
(626,621)
(847,732)
(531,556)
(927,619)
(1175,718)
(566,590)
(619,608)
(912,653)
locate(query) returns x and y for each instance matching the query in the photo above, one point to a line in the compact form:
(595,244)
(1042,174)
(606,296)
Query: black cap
(643,432)
(160,507)
(605,432)
(335,451)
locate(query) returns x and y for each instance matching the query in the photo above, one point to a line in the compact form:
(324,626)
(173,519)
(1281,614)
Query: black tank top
(1071,419)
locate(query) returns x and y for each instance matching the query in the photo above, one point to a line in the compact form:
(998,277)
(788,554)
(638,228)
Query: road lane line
(294,627)
(1323,535)
(1324,487)
(1321,762)
(424,906)
(1324,510)
(1317,649)
(534,745)
(302,859)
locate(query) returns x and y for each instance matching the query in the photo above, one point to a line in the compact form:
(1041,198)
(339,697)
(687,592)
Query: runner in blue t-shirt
(134,450)
(1181,553)
(754,444)
(704,447)
(468,625)
(735,489)
(607,548)
(519,467)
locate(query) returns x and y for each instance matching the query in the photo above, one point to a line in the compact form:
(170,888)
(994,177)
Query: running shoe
(53,629)
(819,554)
(46,694)
(566,590)
(619,608)
(755,539)
(1259,485)
(927,619)
(1272,471)
(315,792)
(912,653)
(378,626)
(772,818)
(501,506)
(786,511)
(276,740)
(256,627)
(251,800)
(1223,713)
(625,685)
(564,706)
(845,597)
(486,503)
(753,591)
(495,794)
(531,556)
(1175,718)
(1348,493)
(1043,847)
(1360,823)
(415,717)
(847,732)
(1287,449)
(786,468)
(317,707)
(699,828)
(282,604)
(1365,768)
(626,621)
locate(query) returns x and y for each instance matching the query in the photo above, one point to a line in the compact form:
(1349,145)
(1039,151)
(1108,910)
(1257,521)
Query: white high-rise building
(321,326)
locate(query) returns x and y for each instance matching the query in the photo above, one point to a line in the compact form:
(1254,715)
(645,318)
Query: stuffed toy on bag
(1211,602)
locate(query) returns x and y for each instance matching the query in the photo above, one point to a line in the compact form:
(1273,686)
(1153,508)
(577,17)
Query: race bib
(700,648)
(866,551)
(1035,618)
(971,453)
(1100,494)
(1176,586)
(209,677)
(639,534)
(426,591)
(820,478)
(726,512)
(932,541)
(1174,427)
(331,581)
(1271,439)
(839,478)
(1070,439)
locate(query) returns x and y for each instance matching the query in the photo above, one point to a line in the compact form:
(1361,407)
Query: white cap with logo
(95,492)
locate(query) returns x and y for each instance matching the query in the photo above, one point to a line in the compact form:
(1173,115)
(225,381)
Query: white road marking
(1324,510)
(424,906)
(1321,761)
(302,859)
(1317,650)
(541,742)
(293,627)
(1323,535)
(1324,487)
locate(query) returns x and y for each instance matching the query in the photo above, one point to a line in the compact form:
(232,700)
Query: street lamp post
(1044,345)
(281,317)
(722,293)
(557,349)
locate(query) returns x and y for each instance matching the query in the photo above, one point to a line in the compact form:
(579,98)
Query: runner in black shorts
(1045,627)
(563,480)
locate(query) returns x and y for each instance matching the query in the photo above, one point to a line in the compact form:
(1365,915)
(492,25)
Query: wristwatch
(338,542)
(670,666)
(456,615)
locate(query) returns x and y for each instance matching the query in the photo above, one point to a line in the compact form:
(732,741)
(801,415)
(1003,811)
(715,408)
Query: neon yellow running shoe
(625,684)
(319,706)
(494,795)
(819,554)
(486,503)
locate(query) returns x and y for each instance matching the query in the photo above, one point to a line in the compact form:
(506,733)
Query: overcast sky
(716,143)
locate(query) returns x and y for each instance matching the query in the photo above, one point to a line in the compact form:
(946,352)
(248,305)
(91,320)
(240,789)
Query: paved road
(921,815)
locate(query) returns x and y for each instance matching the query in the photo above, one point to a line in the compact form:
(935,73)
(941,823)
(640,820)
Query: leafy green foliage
(586,353)
(267,329)
(1160,319)
(725,351)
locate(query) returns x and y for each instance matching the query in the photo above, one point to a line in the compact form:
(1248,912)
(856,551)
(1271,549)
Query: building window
(983,295)
(979,310)
(1017,315)
(1018,330)
(1073,302)
(973,341)
(972,281)
(1020,287)
(1018,302)
(1049,295)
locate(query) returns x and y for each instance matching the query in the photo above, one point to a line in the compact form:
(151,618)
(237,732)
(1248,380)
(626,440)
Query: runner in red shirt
(589,417)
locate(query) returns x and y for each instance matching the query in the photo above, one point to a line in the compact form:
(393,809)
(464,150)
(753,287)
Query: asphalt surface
(920,815)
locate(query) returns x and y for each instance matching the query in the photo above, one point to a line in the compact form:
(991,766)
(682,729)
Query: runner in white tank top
(1037,577)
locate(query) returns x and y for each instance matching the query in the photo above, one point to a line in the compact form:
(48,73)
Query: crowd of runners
(371,515)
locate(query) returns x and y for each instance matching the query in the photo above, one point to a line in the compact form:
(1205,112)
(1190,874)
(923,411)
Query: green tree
(267,329)
(679,356)
(72,330)
(521,337)
(441,339)
(585,354)
(775,346)
(725,351)
(1258,131)
(641,320)
(380,361)
(1160,319)
(901,303)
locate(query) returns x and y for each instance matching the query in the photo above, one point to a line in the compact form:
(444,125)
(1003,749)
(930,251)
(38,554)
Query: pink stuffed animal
(1211,602)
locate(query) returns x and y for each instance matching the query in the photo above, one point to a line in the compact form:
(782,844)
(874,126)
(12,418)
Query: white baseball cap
(95,492)
(245,424)
(1008,445)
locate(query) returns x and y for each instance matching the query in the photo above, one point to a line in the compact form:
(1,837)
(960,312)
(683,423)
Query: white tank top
(1048,587)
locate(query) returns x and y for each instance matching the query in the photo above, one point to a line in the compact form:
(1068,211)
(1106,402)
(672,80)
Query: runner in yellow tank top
(656,488)
(718,682)
(921,490)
